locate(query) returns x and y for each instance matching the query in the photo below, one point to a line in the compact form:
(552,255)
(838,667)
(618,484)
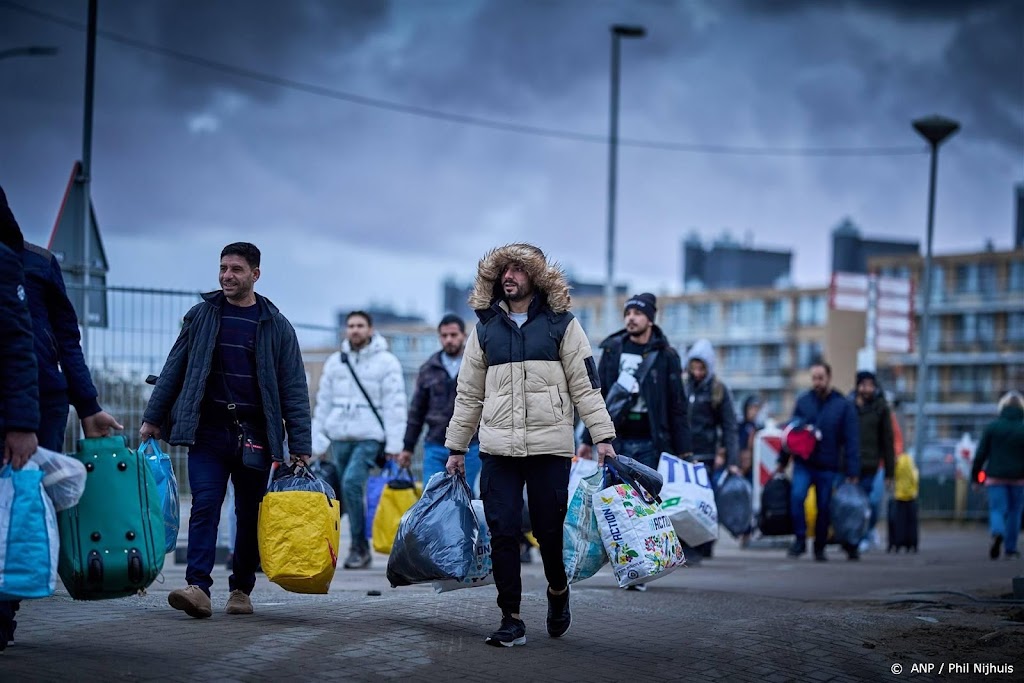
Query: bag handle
(626,478)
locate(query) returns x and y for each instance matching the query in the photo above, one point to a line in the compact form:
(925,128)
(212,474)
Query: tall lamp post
(618,31)
(934,129)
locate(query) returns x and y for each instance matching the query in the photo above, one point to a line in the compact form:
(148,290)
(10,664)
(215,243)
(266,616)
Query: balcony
(973,302)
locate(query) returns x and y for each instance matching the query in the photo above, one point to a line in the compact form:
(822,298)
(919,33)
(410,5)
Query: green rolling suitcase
(112,542)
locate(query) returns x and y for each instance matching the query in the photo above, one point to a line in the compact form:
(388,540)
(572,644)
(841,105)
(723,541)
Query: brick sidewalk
(708,623)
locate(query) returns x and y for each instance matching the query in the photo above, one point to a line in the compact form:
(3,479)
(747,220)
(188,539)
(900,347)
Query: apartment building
(975,339)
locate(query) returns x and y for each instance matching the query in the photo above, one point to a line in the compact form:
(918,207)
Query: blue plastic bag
(734,498)
(29,540)
(851,513)
(437,538)
(166,483)
(374,489)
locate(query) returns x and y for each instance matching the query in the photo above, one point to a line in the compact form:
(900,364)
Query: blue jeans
(803,477)
(872,488)
(1005,504)
(212,460)
(435,456)
(354,460)
(641,450)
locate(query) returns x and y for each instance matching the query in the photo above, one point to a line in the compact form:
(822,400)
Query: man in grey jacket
(234,375)
(712,416)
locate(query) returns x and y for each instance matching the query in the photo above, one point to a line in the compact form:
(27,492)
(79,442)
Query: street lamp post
(86,169)
(934,129)
(618,31)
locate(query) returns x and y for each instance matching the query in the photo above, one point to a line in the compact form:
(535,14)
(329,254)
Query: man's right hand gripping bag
(437,537)
(112,542)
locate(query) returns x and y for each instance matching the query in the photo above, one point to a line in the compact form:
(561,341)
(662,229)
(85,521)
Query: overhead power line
(464,119)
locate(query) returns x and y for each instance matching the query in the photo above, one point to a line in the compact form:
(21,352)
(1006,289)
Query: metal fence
(142,325)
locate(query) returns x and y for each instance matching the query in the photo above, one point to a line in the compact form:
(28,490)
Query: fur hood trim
(548,278)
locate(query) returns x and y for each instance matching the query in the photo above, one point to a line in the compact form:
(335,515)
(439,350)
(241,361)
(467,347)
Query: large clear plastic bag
(734,498)
(851,513)
(167,484)
(63,478)
(437,538)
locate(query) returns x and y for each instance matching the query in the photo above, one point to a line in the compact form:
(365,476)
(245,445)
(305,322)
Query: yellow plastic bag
(811,510)
(906,478)
(400,494)
(299,534)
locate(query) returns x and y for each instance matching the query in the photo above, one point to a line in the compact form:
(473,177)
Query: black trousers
(546,478)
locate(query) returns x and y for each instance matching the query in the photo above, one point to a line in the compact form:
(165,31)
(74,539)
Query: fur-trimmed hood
(548,278)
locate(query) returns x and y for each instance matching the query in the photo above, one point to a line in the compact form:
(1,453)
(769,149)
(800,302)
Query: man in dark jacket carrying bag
(655,421)
(834,419)
(876,440)
(232,385)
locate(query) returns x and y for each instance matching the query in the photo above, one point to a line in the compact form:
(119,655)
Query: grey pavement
(743,615)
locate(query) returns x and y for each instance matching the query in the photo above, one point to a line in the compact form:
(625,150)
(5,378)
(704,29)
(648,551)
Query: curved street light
(935,129)
(618,32)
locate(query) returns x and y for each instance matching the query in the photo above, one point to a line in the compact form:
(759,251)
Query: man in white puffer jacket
(344,422)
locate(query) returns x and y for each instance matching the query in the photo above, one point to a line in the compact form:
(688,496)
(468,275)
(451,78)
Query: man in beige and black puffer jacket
(527,363)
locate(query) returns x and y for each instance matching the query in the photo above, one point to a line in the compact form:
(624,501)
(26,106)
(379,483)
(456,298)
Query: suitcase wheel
(135,573)
(94,572)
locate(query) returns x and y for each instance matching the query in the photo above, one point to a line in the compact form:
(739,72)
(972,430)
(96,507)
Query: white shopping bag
(480,574)
(581,468)
(637,535)
(688,499)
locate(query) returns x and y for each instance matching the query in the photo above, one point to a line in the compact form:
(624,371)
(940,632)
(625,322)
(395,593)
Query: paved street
(744,615)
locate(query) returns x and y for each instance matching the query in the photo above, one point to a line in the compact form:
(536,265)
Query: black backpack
(775,518)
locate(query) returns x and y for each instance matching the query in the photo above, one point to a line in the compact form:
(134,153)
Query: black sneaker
(639,587)
(820,556)
(559,616)
(357,559)
(997,543)
(512,632)
(797,549)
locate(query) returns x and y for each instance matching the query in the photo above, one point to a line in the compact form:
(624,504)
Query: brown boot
(238,603)
(192,601)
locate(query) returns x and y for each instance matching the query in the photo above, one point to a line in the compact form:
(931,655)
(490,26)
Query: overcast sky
(353,204)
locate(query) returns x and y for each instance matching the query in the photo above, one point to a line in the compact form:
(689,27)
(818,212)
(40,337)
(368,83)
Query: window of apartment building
(807,352)
(986,331)
(1015,327)
(771,358)
(585,316)
(902,272)
(773,313)
(966,278)
(811,310)
(702,315)
(938,282)
(1015,281)
(966,327)
(674,319)
(987,282)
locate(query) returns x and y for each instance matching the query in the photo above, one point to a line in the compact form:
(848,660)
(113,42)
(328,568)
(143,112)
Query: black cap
(646,303)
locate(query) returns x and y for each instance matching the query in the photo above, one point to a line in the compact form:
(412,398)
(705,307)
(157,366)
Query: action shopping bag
(734,499)
(29,542)
(851,514)
(637,534)
(480,574)
(400,494)
(167,486)
(437,538)
(63,478)
(299,530)
(688,499)
(583,550)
